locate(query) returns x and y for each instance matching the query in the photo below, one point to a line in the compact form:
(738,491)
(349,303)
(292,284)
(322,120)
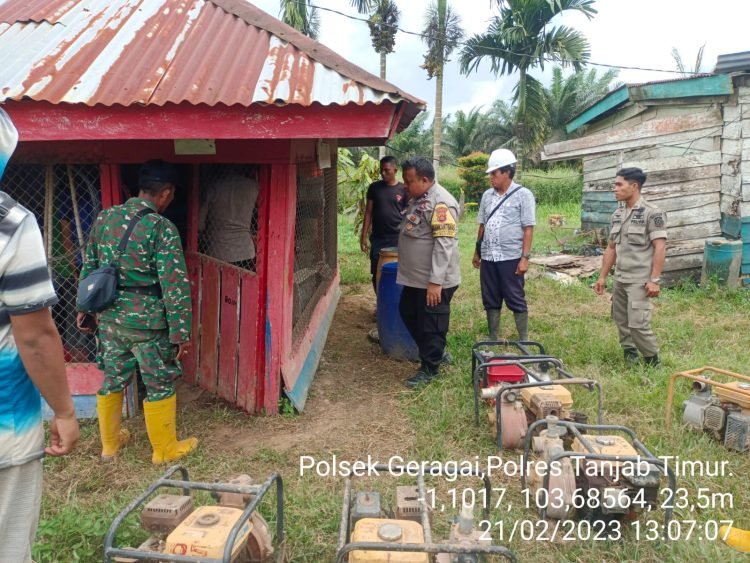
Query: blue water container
(395,340)
(722,259)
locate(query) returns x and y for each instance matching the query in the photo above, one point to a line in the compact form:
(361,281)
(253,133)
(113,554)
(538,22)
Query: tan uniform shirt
(226,218)
(427,243)
(632,230)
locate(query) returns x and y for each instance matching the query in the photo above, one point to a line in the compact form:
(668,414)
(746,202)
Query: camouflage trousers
(124,349)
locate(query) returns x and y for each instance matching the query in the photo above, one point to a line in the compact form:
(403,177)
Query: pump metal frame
(697,375)
(575,428)
(345,547)
(523,347)
(590,384)
(259,491)
(480,372)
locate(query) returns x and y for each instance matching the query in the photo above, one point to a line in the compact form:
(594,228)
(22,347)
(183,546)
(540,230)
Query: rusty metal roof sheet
(154,52)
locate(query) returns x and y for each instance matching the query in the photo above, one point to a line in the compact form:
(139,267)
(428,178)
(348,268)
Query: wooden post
(280,277)
(193,209)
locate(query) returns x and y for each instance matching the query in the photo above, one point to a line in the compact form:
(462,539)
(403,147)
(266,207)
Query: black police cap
(158,171)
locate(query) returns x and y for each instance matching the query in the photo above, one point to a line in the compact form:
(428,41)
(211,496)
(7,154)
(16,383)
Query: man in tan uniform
(637,243)
(428,265)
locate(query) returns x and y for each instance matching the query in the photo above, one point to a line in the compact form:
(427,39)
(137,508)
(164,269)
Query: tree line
(520,38)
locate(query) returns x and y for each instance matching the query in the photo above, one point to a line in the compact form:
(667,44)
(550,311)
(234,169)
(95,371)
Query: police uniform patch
(658,220)
(443,223)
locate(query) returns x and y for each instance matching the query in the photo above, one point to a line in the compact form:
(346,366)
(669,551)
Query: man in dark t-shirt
(385,201)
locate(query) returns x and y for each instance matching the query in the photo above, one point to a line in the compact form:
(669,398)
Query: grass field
(695,327)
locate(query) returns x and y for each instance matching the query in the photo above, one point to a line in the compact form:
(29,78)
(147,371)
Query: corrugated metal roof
(154,52)
(733,62)
(696,85)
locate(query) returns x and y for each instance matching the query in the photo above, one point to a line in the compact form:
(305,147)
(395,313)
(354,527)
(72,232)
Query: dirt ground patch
(353,407)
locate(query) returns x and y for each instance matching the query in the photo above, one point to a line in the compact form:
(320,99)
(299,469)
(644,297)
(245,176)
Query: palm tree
(442,33)
(412,141)
(681,68)
(497,128)
(303,17)
(568,96)
(383,24)
(521,38)
(462,131)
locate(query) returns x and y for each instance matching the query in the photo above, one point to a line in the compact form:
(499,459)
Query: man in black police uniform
(386,199)
(428,265)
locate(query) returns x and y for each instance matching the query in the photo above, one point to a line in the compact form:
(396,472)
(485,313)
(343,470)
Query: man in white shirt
(507,215)
(31,362)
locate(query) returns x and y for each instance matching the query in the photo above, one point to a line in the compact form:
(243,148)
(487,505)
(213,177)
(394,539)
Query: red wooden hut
(96,87)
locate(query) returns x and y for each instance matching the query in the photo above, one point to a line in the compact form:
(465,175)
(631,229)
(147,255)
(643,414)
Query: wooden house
(687,135)
(97,87)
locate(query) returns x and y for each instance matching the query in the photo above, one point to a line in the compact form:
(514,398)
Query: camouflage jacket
(153,255)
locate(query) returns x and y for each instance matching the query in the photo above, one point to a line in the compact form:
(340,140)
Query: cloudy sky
(637,33)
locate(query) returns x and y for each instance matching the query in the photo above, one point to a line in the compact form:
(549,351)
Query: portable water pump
(720,409)
(540,392)
(233,531)
(371,534)
(599,475)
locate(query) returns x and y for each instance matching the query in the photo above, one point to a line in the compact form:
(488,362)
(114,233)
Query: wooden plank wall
(225,358)
(680,148)
(735,183)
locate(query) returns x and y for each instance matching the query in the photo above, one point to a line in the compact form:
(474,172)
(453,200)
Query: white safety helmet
(499,159)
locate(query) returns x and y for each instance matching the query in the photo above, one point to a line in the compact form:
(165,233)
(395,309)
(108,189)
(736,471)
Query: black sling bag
(479,240)
(98,290)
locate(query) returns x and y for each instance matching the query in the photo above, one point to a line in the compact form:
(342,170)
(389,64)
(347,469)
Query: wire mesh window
(67,197)
(315,241)
(228,216)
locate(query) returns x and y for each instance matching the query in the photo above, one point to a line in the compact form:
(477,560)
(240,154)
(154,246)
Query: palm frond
(301,16)
(565,46)
(699,59)
(362,6)
(677,58)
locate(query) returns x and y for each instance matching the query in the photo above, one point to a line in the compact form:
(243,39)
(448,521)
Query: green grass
(354,264)
(556,186)
(695,326)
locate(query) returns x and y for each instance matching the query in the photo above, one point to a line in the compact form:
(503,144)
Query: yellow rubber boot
(162,432)
(109,410)
(736,539)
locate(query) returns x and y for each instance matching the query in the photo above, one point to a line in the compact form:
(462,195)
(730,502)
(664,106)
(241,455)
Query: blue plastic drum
(722,260)
(395,340)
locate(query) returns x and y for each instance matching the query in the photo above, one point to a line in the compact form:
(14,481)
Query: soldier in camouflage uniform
(148,325)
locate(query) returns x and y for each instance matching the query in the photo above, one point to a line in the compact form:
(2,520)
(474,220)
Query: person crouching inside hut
(637,244)
(149,323)
(225,221)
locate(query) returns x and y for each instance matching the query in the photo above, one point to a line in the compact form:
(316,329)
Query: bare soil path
(353,408)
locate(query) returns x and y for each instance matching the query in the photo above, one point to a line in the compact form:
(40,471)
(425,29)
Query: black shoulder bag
(98,290)
(479,240)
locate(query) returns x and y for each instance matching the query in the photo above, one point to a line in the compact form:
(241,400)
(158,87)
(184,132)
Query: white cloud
(639,33)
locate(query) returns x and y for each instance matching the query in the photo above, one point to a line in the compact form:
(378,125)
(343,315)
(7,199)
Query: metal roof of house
(684,87)
(733,62)
(153,52)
